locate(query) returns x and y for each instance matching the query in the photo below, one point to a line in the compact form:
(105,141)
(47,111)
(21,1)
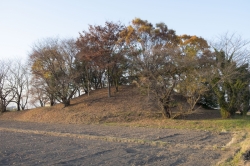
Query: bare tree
(20,84)
(53,61)
(193,83)
(163,75)
(6,90)
(234,46)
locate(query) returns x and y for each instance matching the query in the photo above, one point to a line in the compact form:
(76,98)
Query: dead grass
(127,105)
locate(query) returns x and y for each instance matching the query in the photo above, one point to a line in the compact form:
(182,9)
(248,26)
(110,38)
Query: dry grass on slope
(124,106)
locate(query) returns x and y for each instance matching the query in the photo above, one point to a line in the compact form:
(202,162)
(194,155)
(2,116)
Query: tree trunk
(66,102)
(88,87)
(116,88)
(3,107)
(79,92)
(109,91)
(224,113)
(164,105)
(41,103)
(52,102)
(116,85)
(166,112)
(18,105)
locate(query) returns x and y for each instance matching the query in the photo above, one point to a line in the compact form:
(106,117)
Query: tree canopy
(159,61)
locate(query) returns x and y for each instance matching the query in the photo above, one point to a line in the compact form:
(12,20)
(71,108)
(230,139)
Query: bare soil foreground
(87,133)
(27,143)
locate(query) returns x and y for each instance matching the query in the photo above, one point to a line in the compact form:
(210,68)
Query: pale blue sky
(23,22)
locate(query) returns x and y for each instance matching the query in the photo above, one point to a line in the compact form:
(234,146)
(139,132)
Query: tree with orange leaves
(152,51)
(100,48)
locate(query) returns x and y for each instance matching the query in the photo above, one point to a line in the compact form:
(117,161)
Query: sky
(25,22)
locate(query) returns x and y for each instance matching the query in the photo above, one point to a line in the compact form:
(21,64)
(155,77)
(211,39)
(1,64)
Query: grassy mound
(128,105)
(124,106)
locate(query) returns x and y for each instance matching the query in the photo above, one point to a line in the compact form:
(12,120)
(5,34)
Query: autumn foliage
(159,62)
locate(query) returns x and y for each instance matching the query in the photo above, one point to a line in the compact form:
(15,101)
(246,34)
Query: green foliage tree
(230,81)
(231,91)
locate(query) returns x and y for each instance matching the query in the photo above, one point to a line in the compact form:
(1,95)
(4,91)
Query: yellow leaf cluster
(47,75)
(37,65)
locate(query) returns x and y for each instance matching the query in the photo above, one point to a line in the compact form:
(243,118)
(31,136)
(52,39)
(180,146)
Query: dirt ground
(27,143)
(77,135)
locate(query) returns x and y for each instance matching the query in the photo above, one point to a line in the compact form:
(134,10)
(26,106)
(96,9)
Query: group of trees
(14,85)
(154,57)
